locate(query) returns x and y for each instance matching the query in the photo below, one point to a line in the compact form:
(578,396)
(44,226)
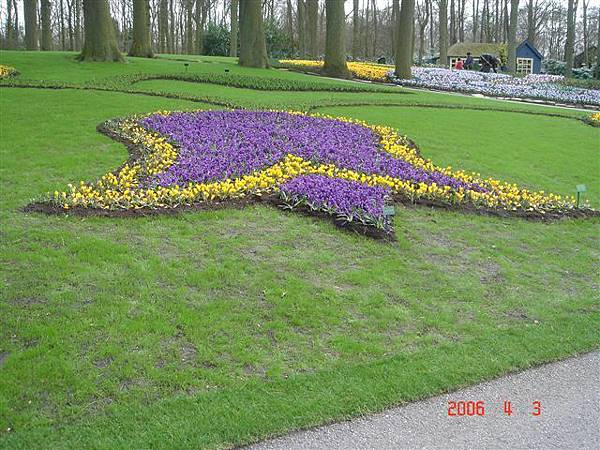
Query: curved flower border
(593,120)
(151,153)
(8,71)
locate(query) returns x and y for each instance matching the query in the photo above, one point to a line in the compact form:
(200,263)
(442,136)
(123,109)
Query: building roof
(531,47)
(475,48)
(478,48)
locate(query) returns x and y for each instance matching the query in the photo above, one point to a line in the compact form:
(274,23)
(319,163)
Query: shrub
(216,40)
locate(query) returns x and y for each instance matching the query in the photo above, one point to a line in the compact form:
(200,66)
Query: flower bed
(186,159)
(544,87)
(541,87)
(348,201)
(7,71)
(593,120)
(360,70)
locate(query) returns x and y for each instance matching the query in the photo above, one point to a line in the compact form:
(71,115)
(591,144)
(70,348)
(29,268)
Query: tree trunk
(375,28)
(405,34)
(475,19)
(163,26)
(141,45)
(301,7)
(335,48)
(201,11)
(395,18)
(172,41)
(253,47)
(46,25)
(530,23)
(569,43)
(31,26)
(312,20)
(189,27)
(9,36)
(452,23)
(100,41)
(512,36)
(443,7)
(597,71)
(233,41)
(289,14)
(70,25)
(586,60)
(78,25)
(355,30)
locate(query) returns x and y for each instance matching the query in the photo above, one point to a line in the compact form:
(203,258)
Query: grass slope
(214,329)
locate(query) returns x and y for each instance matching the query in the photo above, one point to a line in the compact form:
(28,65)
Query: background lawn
(213,329)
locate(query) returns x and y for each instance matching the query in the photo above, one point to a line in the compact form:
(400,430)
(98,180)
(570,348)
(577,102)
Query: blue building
(529,59)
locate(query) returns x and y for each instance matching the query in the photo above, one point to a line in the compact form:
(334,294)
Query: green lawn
(214,329)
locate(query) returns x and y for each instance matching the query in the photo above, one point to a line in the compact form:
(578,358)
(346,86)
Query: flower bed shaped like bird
(340,167)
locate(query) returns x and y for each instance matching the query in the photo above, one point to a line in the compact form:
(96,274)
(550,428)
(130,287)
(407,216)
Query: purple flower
(345,198)
(216,145)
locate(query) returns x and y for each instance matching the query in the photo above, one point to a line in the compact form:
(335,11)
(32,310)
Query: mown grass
(213,329)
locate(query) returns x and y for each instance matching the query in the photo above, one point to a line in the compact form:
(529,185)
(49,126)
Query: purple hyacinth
(347,198)
(215,145)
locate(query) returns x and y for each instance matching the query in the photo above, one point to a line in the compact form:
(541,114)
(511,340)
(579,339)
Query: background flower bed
(534,86)
(542,87)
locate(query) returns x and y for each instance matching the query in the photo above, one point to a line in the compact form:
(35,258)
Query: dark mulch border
(591,122)
(578,213)
(239,203)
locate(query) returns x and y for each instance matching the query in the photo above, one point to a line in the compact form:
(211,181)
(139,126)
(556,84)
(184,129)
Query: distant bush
(587,83)
(554,67)
(216,40)
(279,43)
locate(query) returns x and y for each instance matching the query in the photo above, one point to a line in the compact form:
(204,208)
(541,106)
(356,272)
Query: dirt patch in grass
(492,273)
(103,363)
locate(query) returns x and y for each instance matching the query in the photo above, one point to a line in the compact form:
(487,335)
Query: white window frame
(524,66)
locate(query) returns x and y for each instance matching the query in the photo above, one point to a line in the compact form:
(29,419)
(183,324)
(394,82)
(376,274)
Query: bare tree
(31,25)
(141,44)
(512,36)
(312,22)
(355,29)
(597,71)
(233,41)
(301,21)
(335,47)
(585,31)
(570,42)
(46,25)
(404,45)
(253,48)
(100,40)
(422,20)
(443,14)
(475,18)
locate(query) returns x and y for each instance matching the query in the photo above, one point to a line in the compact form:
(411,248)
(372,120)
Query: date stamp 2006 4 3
(471,408)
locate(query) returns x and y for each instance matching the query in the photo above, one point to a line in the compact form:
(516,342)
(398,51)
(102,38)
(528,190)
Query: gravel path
(569,396)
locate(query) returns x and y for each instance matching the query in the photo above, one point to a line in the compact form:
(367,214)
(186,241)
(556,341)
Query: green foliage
(279,43)
(554,67)
(216,40)
(503,54)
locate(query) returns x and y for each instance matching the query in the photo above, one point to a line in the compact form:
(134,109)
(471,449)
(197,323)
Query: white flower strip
(534,86)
